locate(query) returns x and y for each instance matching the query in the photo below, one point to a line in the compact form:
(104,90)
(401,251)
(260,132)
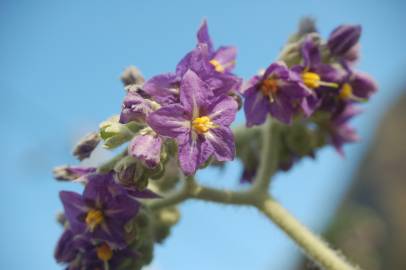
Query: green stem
(311,244)
(269,157)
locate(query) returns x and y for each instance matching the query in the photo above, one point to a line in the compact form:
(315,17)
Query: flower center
(312,80)
(346,91)
(104,252)
(202,124)
(94,218)
(269,86)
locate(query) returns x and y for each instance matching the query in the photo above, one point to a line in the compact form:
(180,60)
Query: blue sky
(59,67)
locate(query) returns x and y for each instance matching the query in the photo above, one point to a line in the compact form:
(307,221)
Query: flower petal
(203,35)
(223,110)
(163,88)
(193,93)
(256,106)
(170,121)
(193,153)
(222,141)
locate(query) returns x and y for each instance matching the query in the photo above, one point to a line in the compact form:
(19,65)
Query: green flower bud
(114,133)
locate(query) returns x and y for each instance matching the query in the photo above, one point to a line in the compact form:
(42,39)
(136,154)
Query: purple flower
(343,38)
(78,252)
(199,123)
(340,131)
(321,80)
(213,67)
(357,86)
(102,211)
(135,107)
(147,147)
(278,92)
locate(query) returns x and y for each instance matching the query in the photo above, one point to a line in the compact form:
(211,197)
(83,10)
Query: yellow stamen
(312,80)
(346,91)
(269,86)
(104,252)
(217,66)
(94,218)
(202,124)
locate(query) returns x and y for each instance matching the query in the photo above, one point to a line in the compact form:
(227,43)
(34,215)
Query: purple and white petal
(193,153)
(170,121)
(194,93)
(256,106)
(203,35)
(163,88)
(222,141)
(226,57)
(222,112)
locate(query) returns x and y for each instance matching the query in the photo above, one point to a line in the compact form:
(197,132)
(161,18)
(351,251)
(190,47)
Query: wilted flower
(146,146)
(199,123)
(86,145)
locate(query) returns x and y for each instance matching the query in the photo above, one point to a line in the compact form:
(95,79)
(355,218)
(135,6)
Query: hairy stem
(311,244)
(269,157)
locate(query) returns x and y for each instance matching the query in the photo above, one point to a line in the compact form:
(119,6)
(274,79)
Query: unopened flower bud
(86,145)
(131,173)
(114,134)
(343,38)
(70,173)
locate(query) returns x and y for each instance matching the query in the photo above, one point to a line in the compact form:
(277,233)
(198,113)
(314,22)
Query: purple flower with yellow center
(102,211)
(199,123)
(321,80)
(212,66)
(79,252)
(278,92)
(356,86)
(223,59)
(343,38)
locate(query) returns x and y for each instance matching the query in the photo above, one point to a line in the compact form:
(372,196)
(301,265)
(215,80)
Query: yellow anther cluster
(217,66)
(311,79)
(104,252)
(346,91)
(269,86)
(94,218)
(202,124)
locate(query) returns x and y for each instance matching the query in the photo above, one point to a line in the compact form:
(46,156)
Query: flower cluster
(313,89)
(194,106)
(177,122)
(188,112)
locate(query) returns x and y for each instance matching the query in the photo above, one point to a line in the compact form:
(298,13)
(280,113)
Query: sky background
(60,63)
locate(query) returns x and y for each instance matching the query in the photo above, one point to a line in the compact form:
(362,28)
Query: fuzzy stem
(269,157)
(311,244)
